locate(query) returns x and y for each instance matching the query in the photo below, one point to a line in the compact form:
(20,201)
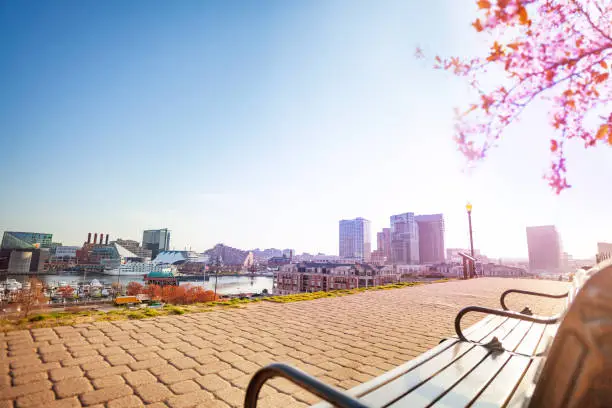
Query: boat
(95,283)
(138,268)
(11,285)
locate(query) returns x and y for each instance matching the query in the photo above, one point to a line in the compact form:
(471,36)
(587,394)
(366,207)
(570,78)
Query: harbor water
(226,285)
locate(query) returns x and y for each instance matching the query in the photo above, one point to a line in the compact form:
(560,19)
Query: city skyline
(262,126)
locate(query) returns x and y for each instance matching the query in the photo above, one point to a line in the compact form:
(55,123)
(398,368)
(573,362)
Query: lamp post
(468,207)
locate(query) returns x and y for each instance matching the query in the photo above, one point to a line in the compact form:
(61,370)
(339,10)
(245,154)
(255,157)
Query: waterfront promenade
(207,359)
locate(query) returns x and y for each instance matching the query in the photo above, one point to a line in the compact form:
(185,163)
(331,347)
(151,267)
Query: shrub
(37,318)
(134,288)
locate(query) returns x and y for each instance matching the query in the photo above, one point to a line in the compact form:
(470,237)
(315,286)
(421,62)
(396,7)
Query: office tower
(544,249)
(404,239)
(156,240)
(431,238)
(355,239)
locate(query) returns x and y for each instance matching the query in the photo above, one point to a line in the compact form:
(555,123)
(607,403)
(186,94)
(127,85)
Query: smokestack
(291,256)
(95,238)
(106,239)
(89,237)
(101,238)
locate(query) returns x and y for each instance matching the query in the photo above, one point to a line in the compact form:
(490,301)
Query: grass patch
(73,316)
(175,310)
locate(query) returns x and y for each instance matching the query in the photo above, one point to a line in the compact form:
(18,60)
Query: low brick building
(314,277)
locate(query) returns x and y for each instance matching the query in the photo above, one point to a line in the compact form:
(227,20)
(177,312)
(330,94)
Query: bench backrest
(578,369)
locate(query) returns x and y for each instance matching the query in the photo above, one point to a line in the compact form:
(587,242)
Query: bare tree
(30,296)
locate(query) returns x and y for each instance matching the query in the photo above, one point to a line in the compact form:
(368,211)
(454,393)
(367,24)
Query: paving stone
(25,389)
(120,359)
(190,399)
(230,373)
(71,387)
(177,376)
(153,392)
(212,382)
(72,402)
(34,368)
(245,366)
(130,401)
(63,373)
(213,367)
(105,372)
(36,399)
(233,396)
(136,378)
(143,365)
(104,395)
(28,378)
(184,387)
(109,381)
(184,362)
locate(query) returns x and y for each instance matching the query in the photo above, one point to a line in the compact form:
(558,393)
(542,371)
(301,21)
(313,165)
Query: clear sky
(261,124)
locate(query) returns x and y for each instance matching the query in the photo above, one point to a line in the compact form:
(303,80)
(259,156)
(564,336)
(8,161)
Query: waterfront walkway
(207,359)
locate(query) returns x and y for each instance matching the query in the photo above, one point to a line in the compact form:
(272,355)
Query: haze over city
(262,126)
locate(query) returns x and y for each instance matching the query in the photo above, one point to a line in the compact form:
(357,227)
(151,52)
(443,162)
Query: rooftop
(208,358)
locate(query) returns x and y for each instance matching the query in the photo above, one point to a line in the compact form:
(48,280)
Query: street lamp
(468,207)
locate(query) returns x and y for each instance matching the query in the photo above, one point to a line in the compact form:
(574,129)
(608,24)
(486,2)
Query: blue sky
(263,124)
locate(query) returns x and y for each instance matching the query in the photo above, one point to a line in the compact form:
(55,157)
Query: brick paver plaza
(207,359)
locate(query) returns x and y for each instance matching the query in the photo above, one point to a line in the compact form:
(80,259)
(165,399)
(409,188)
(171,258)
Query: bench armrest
(502,299)
(309,383)
(505,313)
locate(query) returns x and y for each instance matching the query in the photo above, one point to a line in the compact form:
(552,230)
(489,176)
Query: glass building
(156,240)
(25,240)
(355,239)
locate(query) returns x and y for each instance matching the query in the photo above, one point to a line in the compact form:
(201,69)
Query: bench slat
(525,387)
(468,387)
(530,343)
(499,390)
(483,328)
(512,341)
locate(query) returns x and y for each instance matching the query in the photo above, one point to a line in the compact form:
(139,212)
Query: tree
(154,291)
(134,288)
(66,291)
(199,294)
(560,50)
(30,296)
(117,288)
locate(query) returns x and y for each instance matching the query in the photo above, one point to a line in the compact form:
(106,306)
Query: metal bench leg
(526,310)
(309,383)
(505,313)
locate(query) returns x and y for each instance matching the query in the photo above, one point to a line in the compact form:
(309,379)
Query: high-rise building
(355,239)
(156,240)
(383,241)
(404,239)
(25,240)
(544,249)
(431,238)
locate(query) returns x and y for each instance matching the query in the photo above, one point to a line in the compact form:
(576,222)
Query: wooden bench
(509,359)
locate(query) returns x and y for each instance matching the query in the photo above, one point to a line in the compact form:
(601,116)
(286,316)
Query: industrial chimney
(106,239)
(89,237)
(101,238)
(95,238)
